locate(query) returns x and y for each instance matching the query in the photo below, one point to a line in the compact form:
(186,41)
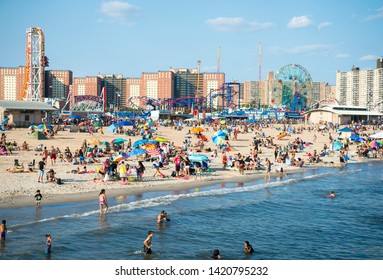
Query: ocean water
(289,218)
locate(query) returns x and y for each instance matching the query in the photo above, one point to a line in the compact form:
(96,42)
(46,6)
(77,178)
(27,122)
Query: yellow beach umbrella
(160,139)
(197,129)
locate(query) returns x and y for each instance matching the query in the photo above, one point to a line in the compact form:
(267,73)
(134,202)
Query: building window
(26,118)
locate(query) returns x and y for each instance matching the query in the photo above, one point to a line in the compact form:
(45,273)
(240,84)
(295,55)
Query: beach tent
(336,146)
(38,135)
(378,135)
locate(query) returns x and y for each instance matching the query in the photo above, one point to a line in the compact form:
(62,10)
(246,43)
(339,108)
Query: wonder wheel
(296,87)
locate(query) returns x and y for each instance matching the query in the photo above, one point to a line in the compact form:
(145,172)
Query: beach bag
(59,181)
(173,174)
(107,177)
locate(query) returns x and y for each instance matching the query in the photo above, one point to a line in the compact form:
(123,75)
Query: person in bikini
(103,202)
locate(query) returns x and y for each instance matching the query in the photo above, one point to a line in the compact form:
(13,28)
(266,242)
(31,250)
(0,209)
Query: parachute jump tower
(34,69)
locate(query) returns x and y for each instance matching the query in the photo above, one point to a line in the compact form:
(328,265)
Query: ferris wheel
(295,87)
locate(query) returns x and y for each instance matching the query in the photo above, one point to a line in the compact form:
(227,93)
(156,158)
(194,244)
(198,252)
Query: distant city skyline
(132,37)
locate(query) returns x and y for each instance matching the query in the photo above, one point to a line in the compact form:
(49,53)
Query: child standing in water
(48,244)
(38,198)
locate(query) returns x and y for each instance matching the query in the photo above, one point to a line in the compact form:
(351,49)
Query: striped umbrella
(154,152)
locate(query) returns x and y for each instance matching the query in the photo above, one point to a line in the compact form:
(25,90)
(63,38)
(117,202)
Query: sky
(91,37)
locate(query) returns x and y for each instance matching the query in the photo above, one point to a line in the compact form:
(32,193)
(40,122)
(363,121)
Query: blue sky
(130,37)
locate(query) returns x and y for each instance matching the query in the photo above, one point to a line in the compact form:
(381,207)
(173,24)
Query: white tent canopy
(378,135)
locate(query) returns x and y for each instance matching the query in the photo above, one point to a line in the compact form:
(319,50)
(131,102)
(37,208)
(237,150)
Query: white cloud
(324,24)
(299,22)
(304,49)
(237,24)
(377,15)
(368,57)
(120,12)
(342,55)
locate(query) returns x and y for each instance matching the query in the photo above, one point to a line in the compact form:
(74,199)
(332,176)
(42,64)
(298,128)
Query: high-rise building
(87,86)
(133,88)
(11,83)
(379,63)
(362,88)
(57,83)
(115,89)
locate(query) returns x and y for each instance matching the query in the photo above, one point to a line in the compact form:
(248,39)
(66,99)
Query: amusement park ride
(296,87)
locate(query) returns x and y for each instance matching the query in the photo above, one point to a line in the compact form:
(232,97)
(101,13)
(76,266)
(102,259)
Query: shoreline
(27,201)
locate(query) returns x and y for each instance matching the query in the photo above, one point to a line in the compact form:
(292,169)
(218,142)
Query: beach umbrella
(149,146)
(154,152)
(76,117)
(124,123)
(81,123)
(119,141)
(198,158)
(44,126)
(160,139)
(140,142)
(378,135)
(227,131)
(228,149)
(137,152)
(94,141)
(251,121)
(345,129)
(197,129)
(220,133)
(106,143)
(33,126)
(222,121)
(121,157)
(218,139)
(374,144)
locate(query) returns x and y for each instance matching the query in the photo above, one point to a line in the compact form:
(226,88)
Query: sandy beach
(18,189)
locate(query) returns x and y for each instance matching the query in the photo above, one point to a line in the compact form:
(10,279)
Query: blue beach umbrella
(141,142)
(220,133)
(218,139)
(137,152)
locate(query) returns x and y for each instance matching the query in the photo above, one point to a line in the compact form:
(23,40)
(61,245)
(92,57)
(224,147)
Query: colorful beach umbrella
(220,133)
(218,139)
(374,144)
(228,149)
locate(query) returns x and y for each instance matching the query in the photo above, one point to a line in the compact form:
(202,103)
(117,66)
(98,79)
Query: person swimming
(216,255)
(331,195)
(248,248)
(163,217)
